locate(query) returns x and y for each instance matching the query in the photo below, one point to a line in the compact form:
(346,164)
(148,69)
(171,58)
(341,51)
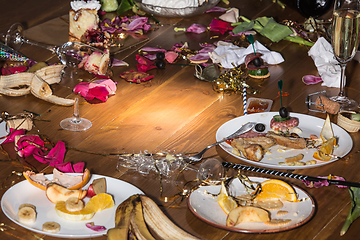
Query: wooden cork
(323,103)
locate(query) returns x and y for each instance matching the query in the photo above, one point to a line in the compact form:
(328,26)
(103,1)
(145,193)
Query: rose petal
(216,9)
(325,183)
(82,88)
(118,63)
(136,23)
(170,56)
(220,26)
(311,79)
(94,227)
(27,144)
(196,28)
(98,92)
(79,167)
(200,57)
(13,133)
(152,49)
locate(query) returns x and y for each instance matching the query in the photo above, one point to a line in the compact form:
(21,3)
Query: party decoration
(9,54)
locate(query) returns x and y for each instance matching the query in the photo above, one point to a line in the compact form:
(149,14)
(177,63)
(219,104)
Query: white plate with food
(275,156)
(204,205)
(24,192)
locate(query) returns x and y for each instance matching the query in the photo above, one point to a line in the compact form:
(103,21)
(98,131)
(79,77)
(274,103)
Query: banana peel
(37,83)
(139,212)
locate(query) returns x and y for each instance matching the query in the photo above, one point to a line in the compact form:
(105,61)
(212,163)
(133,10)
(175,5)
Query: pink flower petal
(79,167)
(82,88)
(13,133)
(220,26)
(216,9)
(170,56)
(55,155)
(118,63)
(200,57)
(136,23)
(311,79)
(108,83)
(152,49)
(94,227)
(98,92)
(27,144)
(196,28)
(324,183)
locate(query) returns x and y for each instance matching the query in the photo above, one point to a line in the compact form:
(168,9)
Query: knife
(289,175)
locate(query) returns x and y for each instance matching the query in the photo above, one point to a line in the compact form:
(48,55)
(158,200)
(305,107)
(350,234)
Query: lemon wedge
(226,202)
(326,131)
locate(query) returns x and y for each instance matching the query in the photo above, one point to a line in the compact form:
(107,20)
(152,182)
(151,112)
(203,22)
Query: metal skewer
(289,175)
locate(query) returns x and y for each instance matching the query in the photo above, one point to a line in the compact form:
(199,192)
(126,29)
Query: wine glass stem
(38,44)
(342,80)
(76,114)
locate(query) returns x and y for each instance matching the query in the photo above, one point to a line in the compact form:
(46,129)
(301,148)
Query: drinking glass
(75,123)
(345,41)
(69,53)
(210,169)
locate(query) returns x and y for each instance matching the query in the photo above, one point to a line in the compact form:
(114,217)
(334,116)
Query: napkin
(227,53)
(324,59)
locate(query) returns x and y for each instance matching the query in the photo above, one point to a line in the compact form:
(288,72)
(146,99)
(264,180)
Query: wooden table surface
(177,112)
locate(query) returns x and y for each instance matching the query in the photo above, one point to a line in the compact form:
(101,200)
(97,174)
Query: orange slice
(100,202)
(326,149)
(226,202)
(83,214)
(276,189)
(72,182)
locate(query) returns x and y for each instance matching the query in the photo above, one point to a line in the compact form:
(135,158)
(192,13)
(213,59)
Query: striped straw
(244,100)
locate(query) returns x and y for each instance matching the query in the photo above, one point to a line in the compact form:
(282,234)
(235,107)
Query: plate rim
(74,236)
(275,166)
(276,230)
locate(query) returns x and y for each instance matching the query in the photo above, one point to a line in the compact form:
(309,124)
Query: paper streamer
(244,100)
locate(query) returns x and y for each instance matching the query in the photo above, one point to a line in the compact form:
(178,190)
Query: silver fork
(245,128)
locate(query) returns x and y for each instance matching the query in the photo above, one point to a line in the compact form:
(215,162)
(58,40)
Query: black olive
(257,62)
(260,127)
(160,64)
(283,112)
(160,56)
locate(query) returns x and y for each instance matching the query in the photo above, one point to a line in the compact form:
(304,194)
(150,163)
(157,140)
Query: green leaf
(354,211)
(124,6)
(273,30)
(299,40)
(243,26)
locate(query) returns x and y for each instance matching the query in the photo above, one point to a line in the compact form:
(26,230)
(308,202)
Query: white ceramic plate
(3,132)
(24,192)
(308,124)
(205,207)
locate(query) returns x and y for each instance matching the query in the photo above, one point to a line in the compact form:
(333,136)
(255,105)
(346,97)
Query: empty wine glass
(210,168)
(345,41)
(75,123)
(70,53)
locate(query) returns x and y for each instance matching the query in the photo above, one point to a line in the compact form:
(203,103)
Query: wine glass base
(14,36)
(76,126)
(345,102)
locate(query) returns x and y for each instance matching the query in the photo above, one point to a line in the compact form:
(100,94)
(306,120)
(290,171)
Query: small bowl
(176,12)
(256,105)
(346,123)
